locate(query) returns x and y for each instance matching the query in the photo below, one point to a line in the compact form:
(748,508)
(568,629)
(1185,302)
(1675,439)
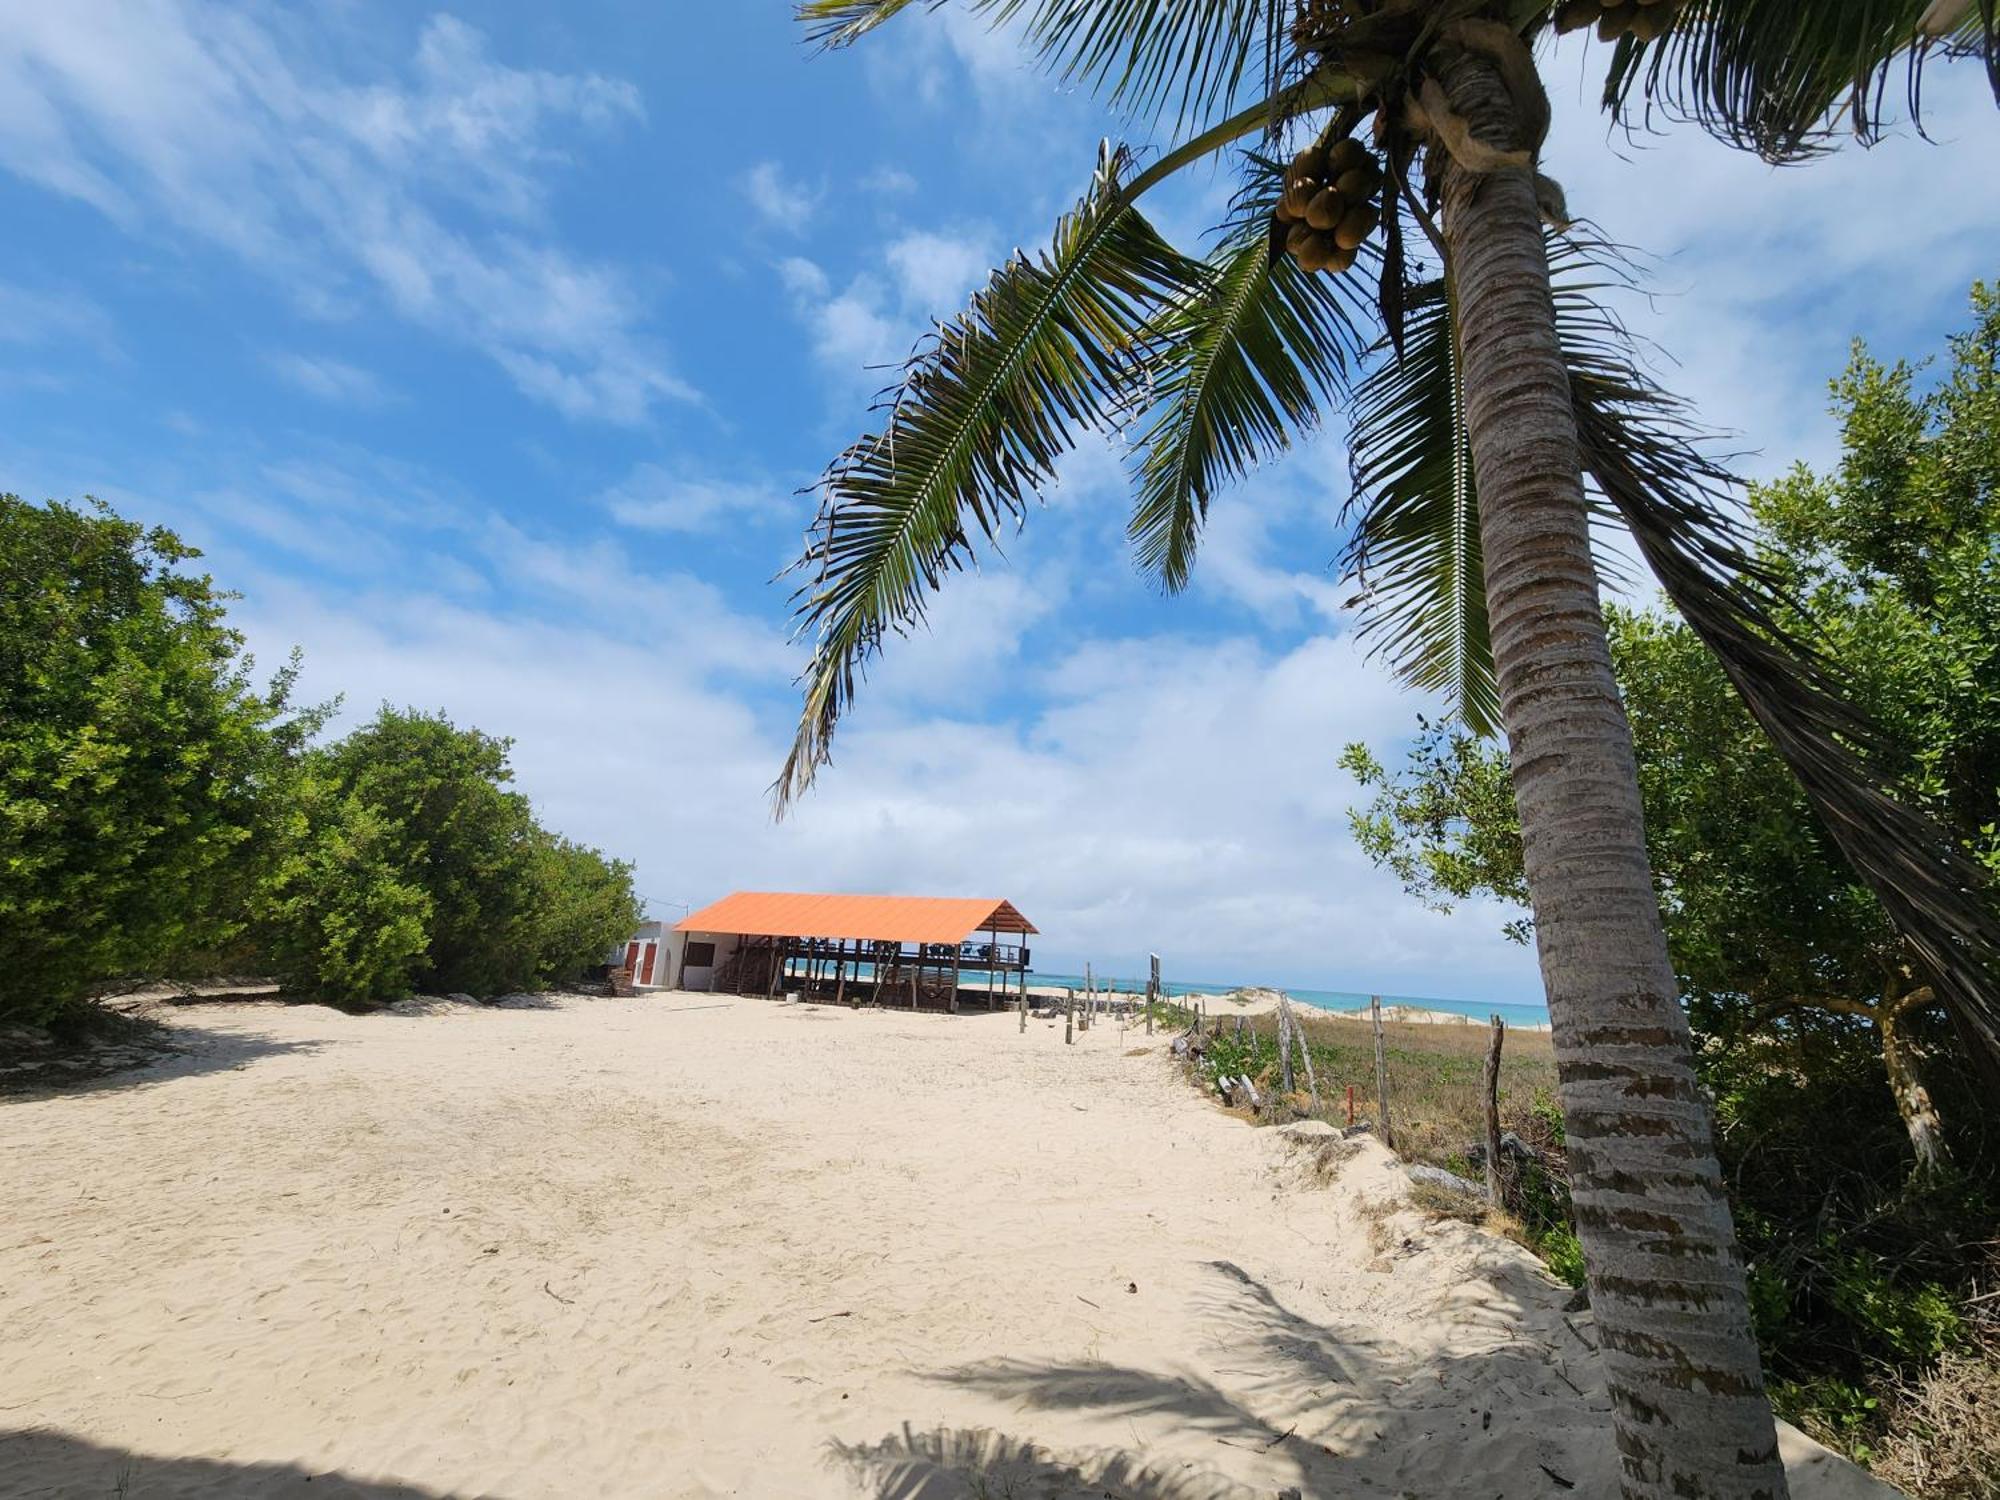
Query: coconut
(1340,259)
(1359,184)
(1650,23)
(1292,202)
(1613,24)
(1297,239)
(1326,208)
(1574,15)
(1356,225)
(1346,154)
(1310,162)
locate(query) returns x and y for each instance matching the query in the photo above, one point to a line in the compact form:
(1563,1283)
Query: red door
(632,958)
(646,963)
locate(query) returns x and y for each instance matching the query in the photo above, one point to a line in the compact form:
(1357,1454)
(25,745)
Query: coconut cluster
(1329,205)
(1642,20)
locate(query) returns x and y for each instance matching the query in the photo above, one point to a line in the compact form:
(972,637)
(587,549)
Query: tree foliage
(163,816)
(410,823)
(1891,561)
(1785,956)
(138,759)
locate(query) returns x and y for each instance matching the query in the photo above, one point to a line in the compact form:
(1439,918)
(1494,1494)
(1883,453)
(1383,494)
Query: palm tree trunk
(1666,1277)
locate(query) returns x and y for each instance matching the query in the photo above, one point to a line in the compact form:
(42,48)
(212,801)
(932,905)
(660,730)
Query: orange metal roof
(880,919)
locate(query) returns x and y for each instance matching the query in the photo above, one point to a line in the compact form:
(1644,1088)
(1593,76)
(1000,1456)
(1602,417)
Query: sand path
(693,1245)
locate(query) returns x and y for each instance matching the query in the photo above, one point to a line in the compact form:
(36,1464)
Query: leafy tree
(1893,556)
(410,823)
(1506,393)
(137,758)
(457,832)
(584,904)
(342,920)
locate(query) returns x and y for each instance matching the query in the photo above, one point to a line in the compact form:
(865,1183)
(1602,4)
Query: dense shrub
(161,816)
(137,759)
(340,919)
(410,823)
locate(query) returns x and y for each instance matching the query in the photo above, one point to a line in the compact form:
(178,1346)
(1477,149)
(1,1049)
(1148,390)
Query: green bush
(342,923)
(137,760)
(1559,1248)
(411,824)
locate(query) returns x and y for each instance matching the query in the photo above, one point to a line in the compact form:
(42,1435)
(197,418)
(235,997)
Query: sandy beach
(695,1245)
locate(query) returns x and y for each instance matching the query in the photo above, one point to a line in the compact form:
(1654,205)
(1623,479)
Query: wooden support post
(776,963)
(1024,1011)
(1152,990)
(1495,1188)
(957,961)
(840,974)
(1306,1056)
(1382,1126)
(916,973)
(1069,1015)
(992,964)
(1285,1080)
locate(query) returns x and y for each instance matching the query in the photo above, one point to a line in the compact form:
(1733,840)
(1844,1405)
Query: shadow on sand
(41,1462)
(1323,1411)
(142,1062)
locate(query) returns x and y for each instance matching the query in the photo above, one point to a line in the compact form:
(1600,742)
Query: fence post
(1382,1125)
(1285,1080)
(1306,1056)
(1069,1015)
(1494,1188)
(1024,1010)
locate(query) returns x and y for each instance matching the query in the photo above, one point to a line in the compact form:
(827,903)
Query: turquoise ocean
(1512,1014)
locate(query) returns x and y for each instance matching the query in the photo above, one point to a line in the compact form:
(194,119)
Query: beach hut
(926,952)
(645,954)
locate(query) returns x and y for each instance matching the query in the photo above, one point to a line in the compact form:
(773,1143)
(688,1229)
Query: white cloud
(328,379)
(191,121)
(655,498)
(33,316)
(876,319)
(938,271)
(889,181)
(779,201)
(1172,794)
(1767,272)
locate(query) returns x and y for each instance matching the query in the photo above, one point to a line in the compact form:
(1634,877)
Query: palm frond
(1781,78)
(983,413)
(1234,374)
(1414,546)
(1651,463)
(841,23)
(1193,57)
(1149,56)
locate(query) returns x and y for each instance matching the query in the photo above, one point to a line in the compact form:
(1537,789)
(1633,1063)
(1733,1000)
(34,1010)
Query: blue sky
(484,350)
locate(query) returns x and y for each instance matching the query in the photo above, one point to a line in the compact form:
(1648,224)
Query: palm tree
(1495,411)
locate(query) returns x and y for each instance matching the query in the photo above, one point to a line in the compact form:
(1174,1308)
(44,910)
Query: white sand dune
(694,1245)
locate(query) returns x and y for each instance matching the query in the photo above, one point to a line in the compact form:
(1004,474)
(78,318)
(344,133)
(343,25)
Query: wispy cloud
(780,201)
(192,121)
(875,319)
(655,498)
(31,316)
(328,379)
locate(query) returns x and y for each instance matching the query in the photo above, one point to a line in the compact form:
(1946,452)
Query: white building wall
(688,946)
